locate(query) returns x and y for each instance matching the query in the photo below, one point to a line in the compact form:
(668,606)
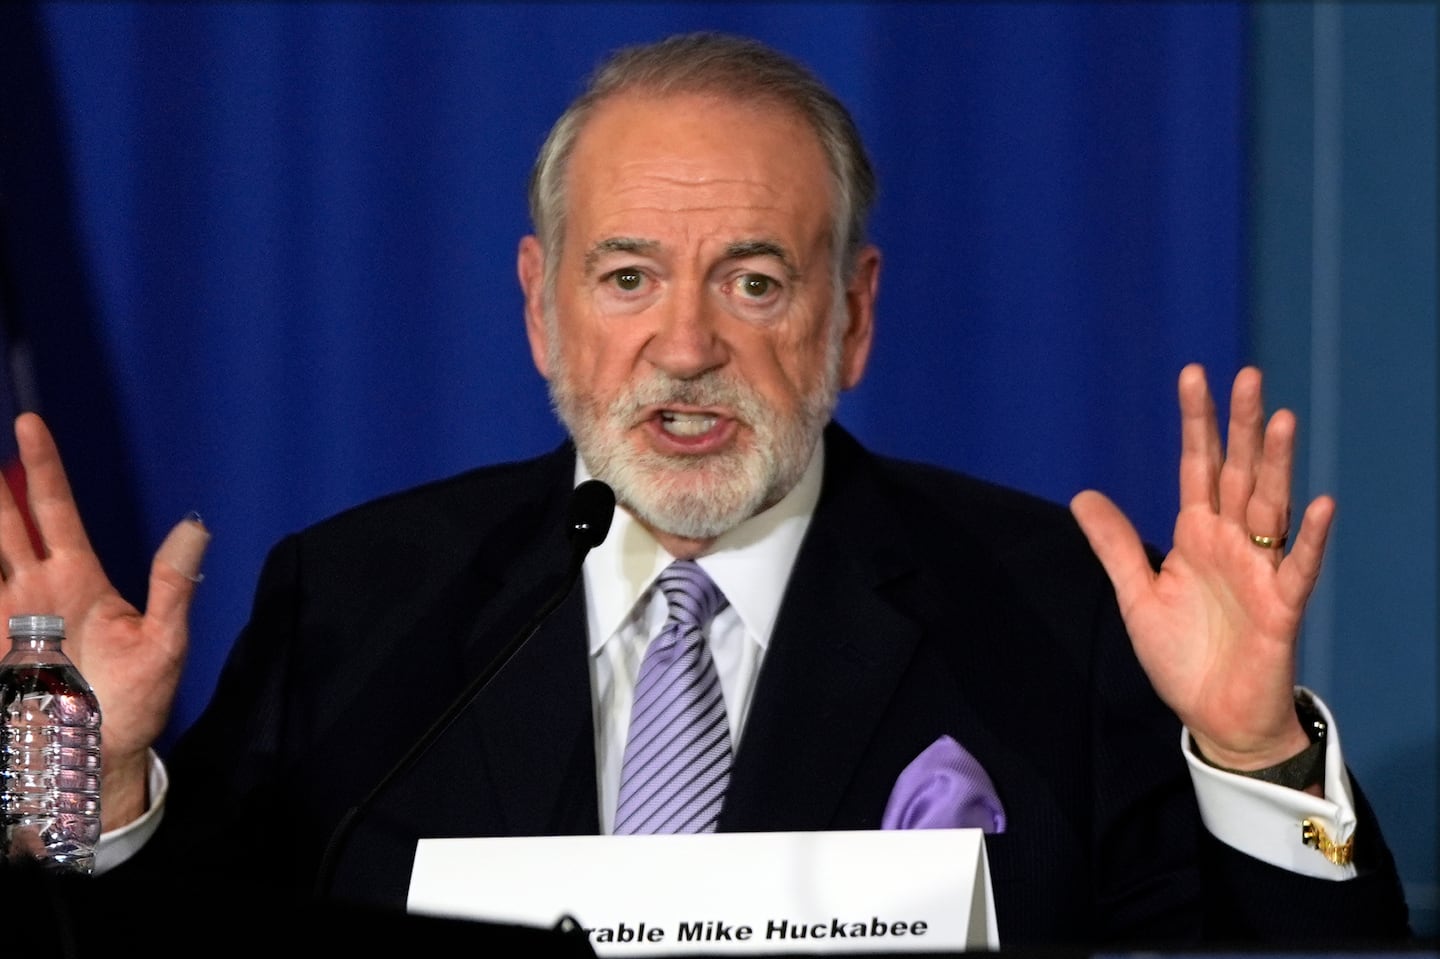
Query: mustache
(711,389)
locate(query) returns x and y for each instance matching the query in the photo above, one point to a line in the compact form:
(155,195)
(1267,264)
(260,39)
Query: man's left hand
(1216,627)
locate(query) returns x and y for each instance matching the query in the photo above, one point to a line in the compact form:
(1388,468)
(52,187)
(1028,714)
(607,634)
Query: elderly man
(699,289)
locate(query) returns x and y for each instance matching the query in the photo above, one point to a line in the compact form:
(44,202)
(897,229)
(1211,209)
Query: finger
(1200,452)
(1267,512)
(174,574)
(52,504)
(1116,544)
(1243,446)
(17,545)
(1300,570)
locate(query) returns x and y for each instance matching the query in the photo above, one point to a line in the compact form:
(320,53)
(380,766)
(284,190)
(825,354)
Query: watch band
(1302,770)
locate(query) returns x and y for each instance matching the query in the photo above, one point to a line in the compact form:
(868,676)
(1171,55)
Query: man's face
(696,335)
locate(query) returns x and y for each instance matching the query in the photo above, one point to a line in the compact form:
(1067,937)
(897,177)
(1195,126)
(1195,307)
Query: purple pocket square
(944,788)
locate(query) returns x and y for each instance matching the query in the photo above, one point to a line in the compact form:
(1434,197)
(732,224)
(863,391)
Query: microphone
(592,507)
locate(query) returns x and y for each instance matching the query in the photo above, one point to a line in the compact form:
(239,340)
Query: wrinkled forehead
(684,151)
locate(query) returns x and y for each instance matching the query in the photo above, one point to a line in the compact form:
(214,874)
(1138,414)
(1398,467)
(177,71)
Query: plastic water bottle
(49,751)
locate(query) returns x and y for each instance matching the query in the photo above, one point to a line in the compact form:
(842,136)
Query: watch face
(1310,717)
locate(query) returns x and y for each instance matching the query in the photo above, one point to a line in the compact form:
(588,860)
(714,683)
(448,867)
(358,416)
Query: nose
(686,342)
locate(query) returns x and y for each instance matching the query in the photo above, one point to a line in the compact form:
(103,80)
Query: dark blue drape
(265,252)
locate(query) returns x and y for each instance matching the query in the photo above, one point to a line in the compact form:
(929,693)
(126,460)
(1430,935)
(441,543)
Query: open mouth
(687,424)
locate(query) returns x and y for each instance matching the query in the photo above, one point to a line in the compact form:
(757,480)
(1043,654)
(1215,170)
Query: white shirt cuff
(118,845)
(1264,820)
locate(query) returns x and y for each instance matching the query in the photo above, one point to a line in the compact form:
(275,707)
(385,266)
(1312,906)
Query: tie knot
(693,596)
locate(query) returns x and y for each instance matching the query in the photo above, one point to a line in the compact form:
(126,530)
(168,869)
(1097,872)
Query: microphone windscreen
(592,507)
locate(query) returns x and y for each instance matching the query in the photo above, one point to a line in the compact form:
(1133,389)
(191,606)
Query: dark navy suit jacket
(922,603)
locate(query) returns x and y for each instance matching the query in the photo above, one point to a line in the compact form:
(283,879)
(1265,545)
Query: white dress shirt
(751,564)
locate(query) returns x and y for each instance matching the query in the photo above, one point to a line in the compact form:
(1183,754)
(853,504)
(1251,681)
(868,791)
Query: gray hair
(736,67)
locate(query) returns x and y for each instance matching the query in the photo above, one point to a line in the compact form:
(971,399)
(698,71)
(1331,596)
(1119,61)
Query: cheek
(804,353)
(802,347)
(782,370)
(598,362)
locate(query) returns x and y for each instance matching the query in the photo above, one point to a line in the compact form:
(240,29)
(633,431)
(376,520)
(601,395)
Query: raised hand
(1216,627)
(132,659)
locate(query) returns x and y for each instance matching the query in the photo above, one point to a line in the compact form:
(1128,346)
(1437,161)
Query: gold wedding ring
(1269,542)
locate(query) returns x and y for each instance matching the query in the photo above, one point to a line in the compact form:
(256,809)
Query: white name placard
(892,891)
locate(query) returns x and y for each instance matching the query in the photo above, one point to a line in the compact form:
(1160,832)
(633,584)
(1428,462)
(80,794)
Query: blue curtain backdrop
(291,230)
(266,250)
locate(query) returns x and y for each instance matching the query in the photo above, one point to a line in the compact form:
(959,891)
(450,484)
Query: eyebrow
(735,251)
(618,244)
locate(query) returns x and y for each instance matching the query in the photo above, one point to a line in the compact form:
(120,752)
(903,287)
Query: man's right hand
(132,659)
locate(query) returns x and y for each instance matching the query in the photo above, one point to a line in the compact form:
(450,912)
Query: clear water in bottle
(49,751)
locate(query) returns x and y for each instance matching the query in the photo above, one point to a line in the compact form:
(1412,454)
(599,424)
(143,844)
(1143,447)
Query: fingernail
(194,517)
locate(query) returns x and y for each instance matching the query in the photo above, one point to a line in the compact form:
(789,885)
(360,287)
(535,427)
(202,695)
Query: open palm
(1216,627)
(132,659)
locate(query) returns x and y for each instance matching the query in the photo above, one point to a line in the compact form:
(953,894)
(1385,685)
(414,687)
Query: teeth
(687,424)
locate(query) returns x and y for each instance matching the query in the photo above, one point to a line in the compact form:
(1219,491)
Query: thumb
(175,571)
(1116,544)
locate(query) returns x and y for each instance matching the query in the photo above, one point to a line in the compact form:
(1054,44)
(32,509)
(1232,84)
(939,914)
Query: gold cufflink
(1313,834)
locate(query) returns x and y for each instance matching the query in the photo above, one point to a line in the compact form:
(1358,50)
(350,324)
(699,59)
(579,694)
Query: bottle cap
(37,624)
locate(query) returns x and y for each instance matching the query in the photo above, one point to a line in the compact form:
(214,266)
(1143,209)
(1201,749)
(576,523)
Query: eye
(627,280)
(755,285)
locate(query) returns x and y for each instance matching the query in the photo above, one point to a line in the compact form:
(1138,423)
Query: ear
(860,293)
(530,266)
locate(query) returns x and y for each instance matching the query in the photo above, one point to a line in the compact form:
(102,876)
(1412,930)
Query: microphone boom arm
(592,507)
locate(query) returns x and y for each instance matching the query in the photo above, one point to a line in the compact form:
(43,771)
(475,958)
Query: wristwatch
(1302,770)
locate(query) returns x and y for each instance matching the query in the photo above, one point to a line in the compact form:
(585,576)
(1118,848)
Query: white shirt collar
(751,563)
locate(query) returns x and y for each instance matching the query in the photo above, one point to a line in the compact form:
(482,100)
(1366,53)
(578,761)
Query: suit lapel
(529,733)
(536,731)
(835,660)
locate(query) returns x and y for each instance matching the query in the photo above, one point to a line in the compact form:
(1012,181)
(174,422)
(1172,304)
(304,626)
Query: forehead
(746,166)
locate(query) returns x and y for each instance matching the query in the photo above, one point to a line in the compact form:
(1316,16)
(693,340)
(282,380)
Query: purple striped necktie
(677,760)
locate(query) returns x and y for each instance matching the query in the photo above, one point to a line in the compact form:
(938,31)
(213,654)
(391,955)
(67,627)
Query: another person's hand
(1216,627)
(133,660)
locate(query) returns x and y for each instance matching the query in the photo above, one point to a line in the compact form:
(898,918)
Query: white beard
(695,497)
